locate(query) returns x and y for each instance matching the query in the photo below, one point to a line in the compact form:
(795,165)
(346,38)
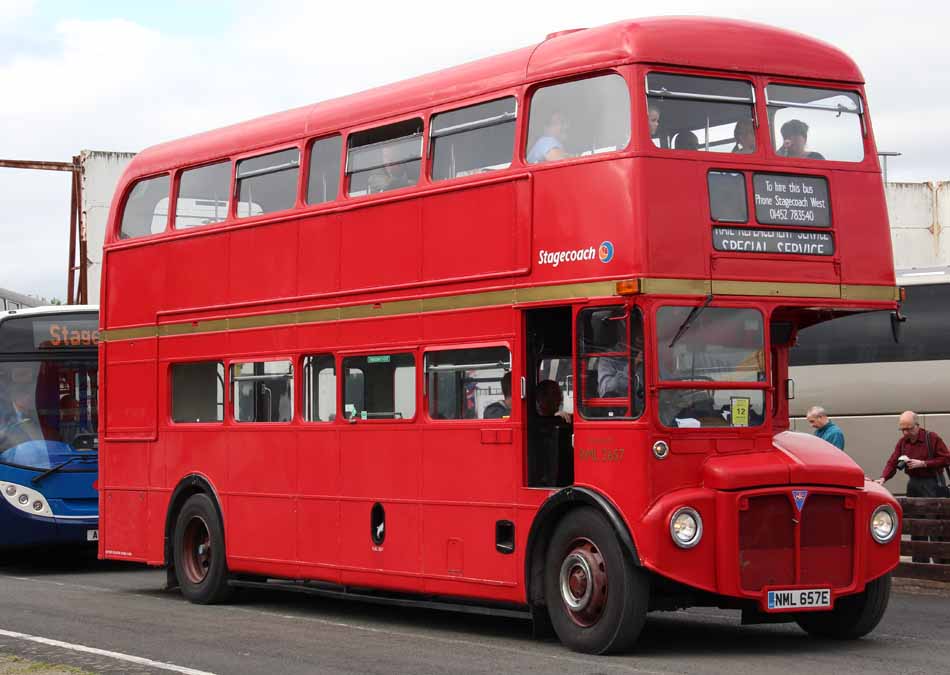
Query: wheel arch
(549,515)
(188,486)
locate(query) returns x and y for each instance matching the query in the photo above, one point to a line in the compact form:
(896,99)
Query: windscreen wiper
(54,469)
(695,312)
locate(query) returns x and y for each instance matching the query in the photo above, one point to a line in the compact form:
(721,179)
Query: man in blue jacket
(824,427)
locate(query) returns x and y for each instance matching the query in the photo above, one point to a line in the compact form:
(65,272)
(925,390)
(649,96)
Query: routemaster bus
(338,340)
(49,448)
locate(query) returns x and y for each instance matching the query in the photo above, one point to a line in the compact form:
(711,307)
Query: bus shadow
(53,560)
(685,634)
(680,633)
(458,624)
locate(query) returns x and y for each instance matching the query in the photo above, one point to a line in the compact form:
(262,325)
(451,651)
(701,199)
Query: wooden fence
(930,518)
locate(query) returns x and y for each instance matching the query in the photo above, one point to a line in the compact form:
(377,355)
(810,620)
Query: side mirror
(790,389)
(897,325)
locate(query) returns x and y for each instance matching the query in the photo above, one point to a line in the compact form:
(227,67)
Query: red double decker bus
(514,334)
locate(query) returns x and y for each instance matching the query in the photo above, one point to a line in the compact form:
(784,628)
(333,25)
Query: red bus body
(463,263)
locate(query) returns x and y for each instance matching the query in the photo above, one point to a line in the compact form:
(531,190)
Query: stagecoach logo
(604,253)
(799,496)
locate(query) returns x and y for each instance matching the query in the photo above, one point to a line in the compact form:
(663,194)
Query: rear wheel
(596,598)
(199,552)
(854,616)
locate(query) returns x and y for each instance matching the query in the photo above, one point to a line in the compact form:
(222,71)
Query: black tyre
(596,598)
(199,552)
(854,616)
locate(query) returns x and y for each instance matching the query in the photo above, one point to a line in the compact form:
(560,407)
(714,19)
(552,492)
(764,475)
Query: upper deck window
(472,140)
(324,180)
(573,119)
(812,123)
(203,195)
(268,183)
(146,209)
(701,113)
(384,158)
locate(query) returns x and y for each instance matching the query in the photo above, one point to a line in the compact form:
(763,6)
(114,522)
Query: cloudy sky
(111,75)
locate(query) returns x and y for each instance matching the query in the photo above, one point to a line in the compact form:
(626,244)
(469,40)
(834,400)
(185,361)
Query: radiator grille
(767,546)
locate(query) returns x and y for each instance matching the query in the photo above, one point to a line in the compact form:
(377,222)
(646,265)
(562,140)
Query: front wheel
(199,552)
(596,598)
(854,616)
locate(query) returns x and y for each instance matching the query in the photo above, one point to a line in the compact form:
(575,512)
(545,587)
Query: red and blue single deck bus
(514,334)
(49,447)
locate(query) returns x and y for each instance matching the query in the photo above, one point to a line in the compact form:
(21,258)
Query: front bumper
(772,538)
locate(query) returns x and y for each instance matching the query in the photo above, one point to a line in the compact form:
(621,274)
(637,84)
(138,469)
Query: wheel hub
(197,549)
(583,582)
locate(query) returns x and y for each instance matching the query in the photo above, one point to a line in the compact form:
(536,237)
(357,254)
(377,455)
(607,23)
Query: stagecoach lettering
(555,258)
(54,335)
(781,200)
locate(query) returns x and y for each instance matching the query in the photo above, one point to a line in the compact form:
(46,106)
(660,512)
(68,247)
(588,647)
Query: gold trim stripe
(514,296)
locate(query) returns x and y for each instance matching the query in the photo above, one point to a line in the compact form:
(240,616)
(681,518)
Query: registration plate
(92,535)
(798,598)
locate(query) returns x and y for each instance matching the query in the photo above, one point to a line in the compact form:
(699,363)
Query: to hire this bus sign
(65,334)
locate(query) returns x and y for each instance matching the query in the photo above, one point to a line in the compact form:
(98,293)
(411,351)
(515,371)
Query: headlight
(686,527)
(25,499)
(883,524)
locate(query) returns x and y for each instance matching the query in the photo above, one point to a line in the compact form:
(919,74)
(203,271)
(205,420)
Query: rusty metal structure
(76,287)
(94,176)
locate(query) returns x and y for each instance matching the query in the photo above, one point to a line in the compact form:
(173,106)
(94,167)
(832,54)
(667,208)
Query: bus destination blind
(74,334)
(742,240)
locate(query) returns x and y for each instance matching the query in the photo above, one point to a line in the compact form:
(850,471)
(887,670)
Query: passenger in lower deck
(551,461)
(549,399)
(501,409)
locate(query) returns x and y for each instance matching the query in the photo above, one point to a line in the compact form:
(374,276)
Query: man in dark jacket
(925,457)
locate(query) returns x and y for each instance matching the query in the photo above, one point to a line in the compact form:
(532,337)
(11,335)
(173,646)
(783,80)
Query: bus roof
(46,310)
(717,44)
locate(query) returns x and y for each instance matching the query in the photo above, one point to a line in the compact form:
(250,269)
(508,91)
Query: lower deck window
(700,408)
(263,391)
(319,388)
(468,384)
(198,392)
(379,387)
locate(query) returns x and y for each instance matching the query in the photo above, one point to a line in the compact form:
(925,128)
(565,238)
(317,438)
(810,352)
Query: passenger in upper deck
(745,136)
(550,145)
(391,176)
(653,117)
(686,140)
(795,138)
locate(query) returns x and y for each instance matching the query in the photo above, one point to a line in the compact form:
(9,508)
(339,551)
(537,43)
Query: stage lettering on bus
(63,336)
